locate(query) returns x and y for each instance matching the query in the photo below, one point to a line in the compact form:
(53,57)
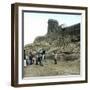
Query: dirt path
(51,69)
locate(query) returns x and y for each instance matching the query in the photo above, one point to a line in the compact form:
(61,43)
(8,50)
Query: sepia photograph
(51,44)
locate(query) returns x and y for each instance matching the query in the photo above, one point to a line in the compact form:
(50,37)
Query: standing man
(25,59)
(43,55)
(30,58)
(39,58)
(55,57)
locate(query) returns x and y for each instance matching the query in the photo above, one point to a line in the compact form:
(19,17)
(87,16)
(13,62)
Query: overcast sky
(35,24)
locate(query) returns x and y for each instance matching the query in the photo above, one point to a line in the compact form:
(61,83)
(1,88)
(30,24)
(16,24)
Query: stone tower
(52,26)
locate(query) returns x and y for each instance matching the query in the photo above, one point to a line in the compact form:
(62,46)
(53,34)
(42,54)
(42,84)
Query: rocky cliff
(56,31)
(61,39)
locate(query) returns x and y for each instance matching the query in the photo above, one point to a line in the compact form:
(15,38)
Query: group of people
(34,58)
(37,58)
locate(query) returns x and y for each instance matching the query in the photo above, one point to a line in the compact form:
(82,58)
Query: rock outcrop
(63,40)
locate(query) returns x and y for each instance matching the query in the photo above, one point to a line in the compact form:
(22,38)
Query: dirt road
(51,69)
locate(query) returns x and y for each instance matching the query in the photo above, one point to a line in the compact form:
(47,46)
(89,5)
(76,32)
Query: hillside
(63,40)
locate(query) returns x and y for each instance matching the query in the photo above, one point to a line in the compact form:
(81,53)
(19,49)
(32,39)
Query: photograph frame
(15,38)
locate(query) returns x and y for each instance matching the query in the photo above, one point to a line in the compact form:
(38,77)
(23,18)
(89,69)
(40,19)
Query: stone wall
(54,27)
(72,32)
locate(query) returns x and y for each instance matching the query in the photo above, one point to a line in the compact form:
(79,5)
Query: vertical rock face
(55,28)
(52,26)
(73,30)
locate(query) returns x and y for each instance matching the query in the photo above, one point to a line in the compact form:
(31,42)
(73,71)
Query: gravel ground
(51,69)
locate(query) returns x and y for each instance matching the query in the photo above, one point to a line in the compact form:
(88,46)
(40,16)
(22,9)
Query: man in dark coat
(30,58)
(39,59)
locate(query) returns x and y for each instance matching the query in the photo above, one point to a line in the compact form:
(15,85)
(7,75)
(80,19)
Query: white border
(51,78)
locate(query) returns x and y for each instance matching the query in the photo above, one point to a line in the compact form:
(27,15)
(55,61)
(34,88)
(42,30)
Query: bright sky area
(35,24)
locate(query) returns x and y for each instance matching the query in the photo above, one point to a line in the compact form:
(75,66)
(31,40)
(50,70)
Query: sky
(35,24)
